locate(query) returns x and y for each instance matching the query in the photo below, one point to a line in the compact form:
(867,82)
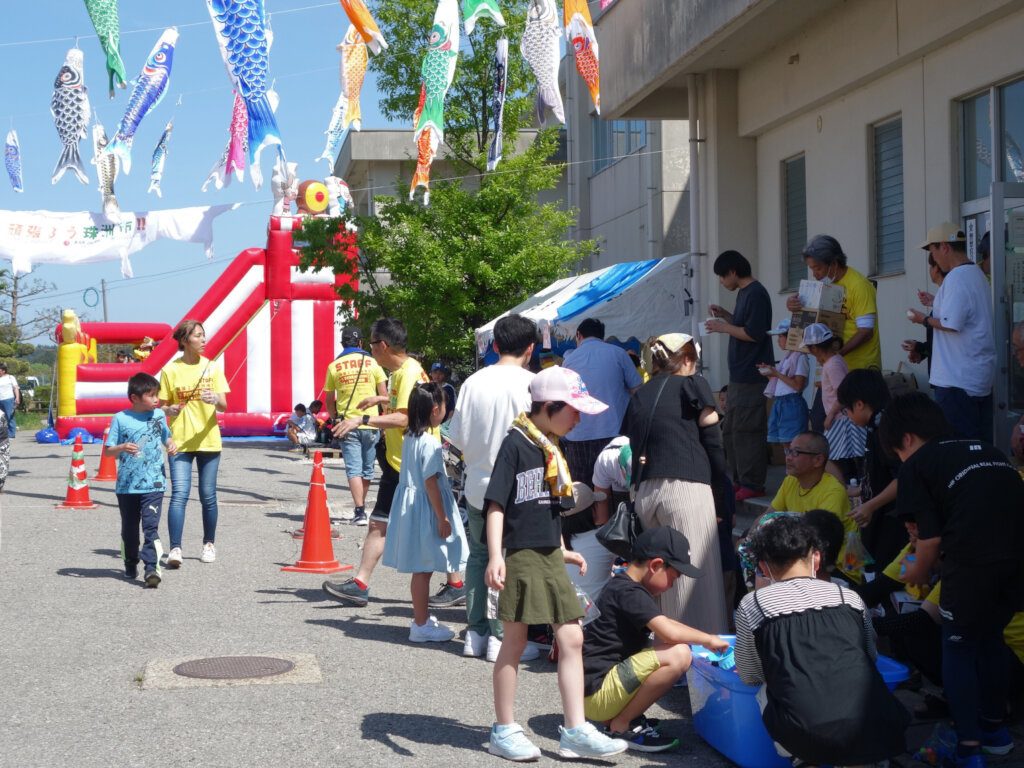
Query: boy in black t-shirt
(968,503)
(623,674)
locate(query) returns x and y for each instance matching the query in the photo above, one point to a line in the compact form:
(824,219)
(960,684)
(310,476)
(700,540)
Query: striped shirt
(788,597)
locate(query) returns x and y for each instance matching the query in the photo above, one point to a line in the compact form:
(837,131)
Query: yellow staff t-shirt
(195,427)
(344,374)
(402,383)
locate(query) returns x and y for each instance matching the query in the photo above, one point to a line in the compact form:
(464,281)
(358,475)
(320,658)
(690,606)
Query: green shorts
(620,686)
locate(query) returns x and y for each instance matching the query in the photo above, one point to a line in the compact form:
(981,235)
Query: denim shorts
(358,448)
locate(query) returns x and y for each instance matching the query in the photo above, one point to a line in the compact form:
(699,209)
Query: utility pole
(103,285)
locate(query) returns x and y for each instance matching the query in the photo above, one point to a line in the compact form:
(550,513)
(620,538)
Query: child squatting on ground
(425,531)
(623,673)
(527,558)
(135,439)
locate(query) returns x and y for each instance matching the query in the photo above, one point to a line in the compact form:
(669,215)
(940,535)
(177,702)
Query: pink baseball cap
(556,384)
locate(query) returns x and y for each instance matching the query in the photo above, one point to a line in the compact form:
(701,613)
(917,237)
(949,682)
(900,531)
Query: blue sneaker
(511,743)
(587,741)
(996,742)
(976,760)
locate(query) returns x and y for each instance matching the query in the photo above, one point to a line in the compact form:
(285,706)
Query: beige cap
(946,232)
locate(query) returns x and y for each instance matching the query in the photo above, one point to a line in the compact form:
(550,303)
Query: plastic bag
(855,557)
(590,609)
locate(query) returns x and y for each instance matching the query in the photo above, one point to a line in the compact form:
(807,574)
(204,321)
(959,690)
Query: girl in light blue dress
(425,532)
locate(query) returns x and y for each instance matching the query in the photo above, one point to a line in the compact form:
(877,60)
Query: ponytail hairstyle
(422,400)
(669,353)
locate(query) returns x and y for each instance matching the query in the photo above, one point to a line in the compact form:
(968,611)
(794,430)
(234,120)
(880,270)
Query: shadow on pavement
(422,729)
(309,595)
(92,573)
(107,553)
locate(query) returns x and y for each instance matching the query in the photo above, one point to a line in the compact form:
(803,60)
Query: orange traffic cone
(108,464)
(78,484)
(317,551)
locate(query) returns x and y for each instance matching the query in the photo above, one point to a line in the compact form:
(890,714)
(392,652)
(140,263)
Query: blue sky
(169,276)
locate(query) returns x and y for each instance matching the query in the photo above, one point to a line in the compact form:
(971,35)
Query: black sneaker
(347,592)
(131,570)
(644,739)
(358,518)
(152,579)
(448,596)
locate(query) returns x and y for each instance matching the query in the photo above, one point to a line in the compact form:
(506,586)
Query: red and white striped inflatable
(272,328)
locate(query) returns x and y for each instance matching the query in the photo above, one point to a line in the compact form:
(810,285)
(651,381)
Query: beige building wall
(780,78)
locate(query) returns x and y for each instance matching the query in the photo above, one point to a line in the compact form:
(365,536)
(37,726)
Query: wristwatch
(366,419)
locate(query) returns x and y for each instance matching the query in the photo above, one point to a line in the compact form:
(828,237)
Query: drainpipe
(695,249)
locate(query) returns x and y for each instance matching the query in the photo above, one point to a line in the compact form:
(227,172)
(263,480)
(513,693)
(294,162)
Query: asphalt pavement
(85,653)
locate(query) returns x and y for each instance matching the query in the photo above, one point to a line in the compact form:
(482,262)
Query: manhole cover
(234,667)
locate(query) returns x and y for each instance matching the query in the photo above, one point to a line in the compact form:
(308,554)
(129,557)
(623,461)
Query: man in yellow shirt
(827,262)
(352,378)
(388,338)
(808,486)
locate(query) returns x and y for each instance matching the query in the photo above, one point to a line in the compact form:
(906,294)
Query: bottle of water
(492,603)
(855,498)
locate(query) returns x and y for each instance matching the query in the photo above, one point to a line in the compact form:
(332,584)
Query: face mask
(771,579)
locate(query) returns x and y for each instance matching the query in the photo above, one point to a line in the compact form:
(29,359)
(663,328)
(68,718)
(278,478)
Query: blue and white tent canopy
(634,300)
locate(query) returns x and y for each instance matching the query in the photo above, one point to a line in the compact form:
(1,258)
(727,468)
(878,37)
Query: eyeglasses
(375,341)
(794,452)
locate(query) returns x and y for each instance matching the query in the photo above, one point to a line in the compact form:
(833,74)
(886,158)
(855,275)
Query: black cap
(668,544)
(351,336)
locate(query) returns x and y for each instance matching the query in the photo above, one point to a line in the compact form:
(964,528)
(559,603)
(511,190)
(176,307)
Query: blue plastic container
(726,714)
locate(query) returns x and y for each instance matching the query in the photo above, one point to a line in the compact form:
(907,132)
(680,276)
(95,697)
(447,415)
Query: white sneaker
(209,553)
(475,645)
(431,632)
(531,651)
(174,558)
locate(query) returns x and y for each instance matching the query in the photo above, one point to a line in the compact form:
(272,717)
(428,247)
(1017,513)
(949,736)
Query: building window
(614,139)
(976,147)
(888,141)
(794,219)
(1011,101)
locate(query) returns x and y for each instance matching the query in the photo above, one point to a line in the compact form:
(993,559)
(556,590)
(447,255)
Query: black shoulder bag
(622,528)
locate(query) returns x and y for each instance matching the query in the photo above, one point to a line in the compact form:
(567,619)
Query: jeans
(358,448)
(144,509)
(968,415)
(8,408)
(476,588)
(181,485)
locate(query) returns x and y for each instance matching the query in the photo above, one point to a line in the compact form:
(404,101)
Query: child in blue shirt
(135,439)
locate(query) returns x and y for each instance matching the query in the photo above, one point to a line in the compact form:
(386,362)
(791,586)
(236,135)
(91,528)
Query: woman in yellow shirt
(192,392)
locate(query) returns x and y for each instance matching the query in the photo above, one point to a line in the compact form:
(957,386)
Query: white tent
(636,299)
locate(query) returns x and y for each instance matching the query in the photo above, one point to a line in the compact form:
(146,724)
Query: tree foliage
(406,25)
(21,319)
(485,242)
(468,257)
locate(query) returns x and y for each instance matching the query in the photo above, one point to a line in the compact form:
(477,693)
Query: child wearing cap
(529,487)
(786,383)
(845,439)
(625,673)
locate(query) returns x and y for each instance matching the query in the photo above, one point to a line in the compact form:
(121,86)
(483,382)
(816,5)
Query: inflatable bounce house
(272,328)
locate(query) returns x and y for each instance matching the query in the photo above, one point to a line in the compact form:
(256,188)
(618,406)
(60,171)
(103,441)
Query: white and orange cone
(78,482)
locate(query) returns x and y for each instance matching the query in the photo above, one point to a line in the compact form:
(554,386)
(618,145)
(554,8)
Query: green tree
(21,318)
(477,249)
(450,267)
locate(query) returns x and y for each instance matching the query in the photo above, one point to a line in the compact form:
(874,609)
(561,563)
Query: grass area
(30,422)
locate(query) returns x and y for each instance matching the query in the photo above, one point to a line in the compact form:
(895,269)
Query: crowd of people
(884,498)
